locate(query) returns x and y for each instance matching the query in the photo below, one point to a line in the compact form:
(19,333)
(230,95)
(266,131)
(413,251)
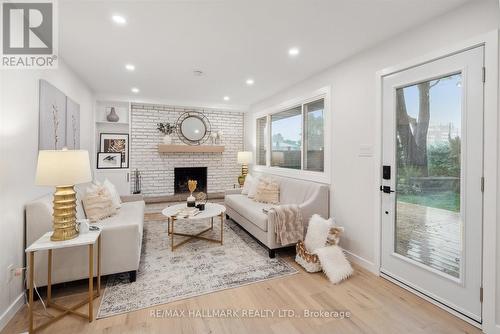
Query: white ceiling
(229,40)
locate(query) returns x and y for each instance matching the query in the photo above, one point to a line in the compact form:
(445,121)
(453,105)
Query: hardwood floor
(375,305)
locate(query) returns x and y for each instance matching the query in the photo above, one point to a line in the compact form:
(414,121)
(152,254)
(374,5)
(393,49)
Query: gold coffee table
(211,211)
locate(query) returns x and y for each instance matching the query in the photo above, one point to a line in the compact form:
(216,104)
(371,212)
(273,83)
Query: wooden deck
(430,236)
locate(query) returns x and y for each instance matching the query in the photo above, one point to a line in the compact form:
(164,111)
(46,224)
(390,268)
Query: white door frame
(490,216)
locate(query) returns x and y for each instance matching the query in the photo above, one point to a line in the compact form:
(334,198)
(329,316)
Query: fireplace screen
(182,175)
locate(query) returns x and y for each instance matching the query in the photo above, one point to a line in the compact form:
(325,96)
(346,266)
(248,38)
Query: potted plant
(167,129)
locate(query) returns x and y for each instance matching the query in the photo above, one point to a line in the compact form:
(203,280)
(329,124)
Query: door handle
(386,189)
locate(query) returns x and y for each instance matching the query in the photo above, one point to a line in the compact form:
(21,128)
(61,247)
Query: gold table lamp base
(64,223)
(244,173)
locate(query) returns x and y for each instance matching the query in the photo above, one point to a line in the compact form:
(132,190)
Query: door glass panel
(428,221)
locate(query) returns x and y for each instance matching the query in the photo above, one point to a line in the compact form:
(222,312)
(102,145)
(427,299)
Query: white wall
(353,102)
(18,156)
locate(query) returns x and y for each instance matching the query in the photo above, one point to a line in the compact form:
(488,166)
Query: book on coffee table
(187,212)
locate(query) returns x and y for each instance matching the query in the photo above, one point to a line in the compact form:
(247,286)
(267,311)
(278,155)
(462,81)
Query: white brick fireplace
(157,169)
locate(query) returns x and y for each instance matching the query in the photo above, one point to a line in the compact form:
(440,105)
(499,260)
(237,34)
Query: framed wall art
(59,119)
(116,143)
(109,160)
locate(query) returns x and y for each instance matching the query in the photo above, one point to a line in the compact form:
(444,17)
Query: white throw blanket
(287,220)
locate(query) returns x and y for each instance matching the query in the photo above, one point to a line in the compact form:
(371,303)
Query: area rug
(195,268)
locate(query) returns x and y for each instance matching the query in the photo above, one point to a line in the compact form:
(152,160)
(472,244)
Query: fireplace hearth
(183,174)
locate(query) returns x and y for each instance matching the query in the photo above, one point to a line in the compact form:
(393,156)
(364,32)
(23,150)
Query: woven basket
(308,261)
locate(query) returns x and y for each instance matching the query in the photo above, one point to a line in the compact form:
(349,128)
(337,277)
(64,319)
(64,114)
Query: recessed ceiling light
(135,90)
(226,98)
(118,19)
(250,82)
(130,67)
(293,52)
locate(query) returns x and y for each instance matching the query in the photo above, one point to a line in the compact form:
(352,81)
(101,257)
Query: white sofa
(310,196)
(121,242)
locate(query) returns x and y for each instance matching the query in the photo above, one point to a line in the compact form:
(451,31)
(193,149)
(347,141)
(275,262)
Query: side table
(44,243)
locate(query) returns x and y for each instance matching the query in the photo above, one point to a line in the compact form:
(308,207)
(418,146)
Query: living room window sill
(319,177)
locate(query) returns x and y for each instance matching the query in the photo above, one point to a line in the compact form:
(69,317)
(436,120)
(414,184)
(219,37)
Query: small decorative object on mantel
(113,116)
(213,137)
(191,201)
(219,136)
(202,200)
(167,129)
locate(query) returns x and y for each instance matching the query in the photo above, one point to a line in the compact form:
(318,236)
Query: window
(261,151)
(286,135)
(314,154)
(295,137)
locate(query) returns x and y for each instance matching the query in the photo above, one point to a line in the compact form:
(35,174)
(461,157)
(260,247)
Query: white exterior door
(432,179)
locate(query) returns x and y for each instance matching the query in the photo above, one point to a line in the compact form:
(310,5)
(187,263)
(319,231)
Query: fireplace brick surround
(157,169)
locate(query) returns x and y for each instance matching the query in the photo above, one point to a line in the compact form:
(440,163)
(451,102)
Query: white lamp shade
(63,168)
(245,157)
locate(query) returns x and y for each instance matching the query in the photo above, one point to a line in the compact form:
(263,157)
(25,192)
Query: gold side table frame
(171,232)
(72,310)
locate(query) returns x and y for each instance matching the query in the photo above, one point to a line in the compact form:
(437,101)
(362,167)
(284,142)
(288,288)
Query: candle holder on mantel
(191,201)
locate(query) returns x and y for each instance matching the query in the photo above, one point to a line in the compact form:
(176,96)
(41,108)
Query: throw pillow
(334,264)
(97,204)
(334,235)
(252,191)
(247,185)
(268,191)
(317,233)
(115,197)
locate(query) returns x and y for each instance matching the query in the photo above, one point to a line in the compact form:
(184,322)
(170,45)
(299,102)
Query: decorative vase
(167,139)
(191,201)
(112,116)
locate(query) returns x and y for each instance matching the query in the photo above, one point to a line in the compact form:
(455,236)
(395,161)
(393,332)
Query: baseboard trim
(11,311)
(370,266)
